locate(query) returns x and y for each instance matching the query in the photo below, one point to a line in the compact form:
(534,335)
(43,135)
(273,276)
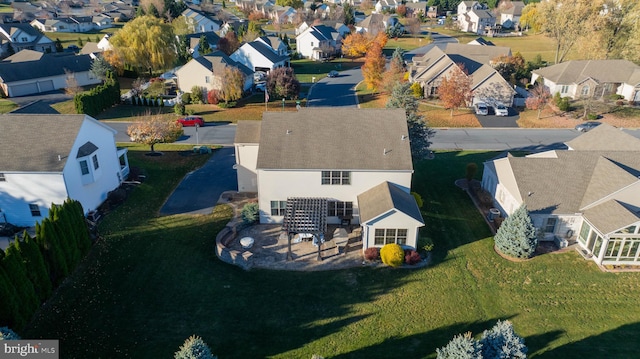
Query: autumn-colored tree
(282,82)
(229,43)
(539,97)
(355,45)
(145,43)
(381,39)
(296,4)
(181,26)
(512,68)
(374,64)
(413,25)
(401,10)
(72,83)
(395,71)
(232,82)
(529,18)
(152,129)
(455,89)
(115,60)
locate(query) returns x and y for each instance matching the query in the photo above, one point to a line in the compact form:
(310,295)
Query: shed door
(46,86)
(22,90)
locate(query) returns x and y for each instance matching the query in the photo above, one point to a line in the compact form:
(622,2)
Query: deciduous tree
(516,237)
(530,19)
(282,82)
(153,129)
(538,99)
(232,82)
(395,71)
(374,64)
(296,4)
(229,43)
(146,43)
(355,45)
(455,89)
(181,26)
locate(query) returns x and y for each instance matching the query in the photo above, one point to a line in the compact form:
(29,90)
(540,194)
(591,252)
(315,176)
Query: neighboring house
(258,56)
(373,24)
(200,21)
(194,42)
(589,194)
(416,8)
(591,78)
(91,48)
(432,12)
(276,44)
(475,17)
(205,72)
(510,17)
(352,166)
(385,5)
(23,37)
(80,161)
(319,42)
(480,41)
(104,43)
(487,84)
(283,14)
(72,24)
(21,76)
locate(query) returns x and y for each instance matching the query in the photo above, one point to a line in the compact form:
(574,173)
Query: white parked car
(481,109)
(501,110)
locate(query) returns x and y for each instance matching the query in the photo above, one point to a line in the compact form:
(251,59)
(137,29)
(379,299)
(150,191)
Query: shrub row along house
(589,193)
(352,167)
(80,162)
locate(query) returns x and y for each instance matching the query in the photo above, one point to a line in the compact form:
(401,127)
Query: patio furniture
(247,242)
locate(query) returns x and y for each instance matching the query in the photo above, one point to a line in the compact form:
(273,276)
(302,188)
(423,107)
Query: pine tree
(14,267)
(462,346)
(53,254)
(36,268)
(203,46)
(58,44)
(194,348)
(501,341)
(516,237)
(10,309)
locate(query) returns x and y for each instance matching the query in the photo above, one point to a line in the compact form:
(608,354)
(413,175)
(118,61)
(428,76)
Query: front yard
(153,281)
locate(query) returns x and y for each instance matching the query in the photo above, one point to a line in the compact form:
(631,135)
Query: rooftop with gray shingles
(330,138)
(603,71)
(384,198)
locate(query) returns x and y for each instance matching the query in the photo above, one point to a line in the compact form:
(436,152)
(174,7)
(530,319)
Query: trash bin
(493,214)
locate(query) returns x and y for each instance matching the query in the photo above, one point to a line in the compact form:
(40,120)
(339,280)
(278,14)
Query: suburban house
(205,72)
(30,72)
(340,27)
(282,14)
(23,37)
(194,41)
(591,78)
(276,44)
(432,12)
(319,42)
(510,15)
(475,17)
(589,193)
(385,5)
(487,84)
(72,23)
(259,56)
(481,42)
(349,167)
(373,24)
(200,21)
(80,162)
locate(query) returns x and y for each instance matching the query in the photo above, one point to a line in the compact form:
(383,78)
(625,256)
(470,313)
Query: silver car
(501,110)
(481,109)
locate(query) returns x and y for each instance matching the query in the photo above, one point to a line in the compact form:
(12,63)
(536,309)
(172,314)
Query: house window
(2,179)
(311,43)
(585,91)
(207,79)
(389,235)
(564,89)
(336,178)
(278,208)
(35,210)
(84,167)
(339,209)
(584,233)
(551,225)
(96,165)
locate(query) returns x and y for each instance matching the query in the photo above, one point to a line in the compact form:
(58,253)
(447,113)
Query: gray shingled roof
(267,52)
(481,54)
(605,138)
(219,59)
(607,177)
(610,216)
(48,65)
(603,71)
(335,138)
(248,131)
(384,198)
(36,107)
(24,55)
(27,142)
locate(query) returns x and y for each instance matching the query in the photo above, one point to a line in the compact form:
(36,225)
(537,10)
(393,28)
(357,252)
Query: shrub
(517,237)
(501,341)
(615,96)
(213,97)
(179,109)
(196,94)
(416,89)
(461,346)
(592,116)
(227,104)
(190,111)
(8,334)
(425,244)
(194,348)
(392,255)
(186,98)
(564,104)
(620,103)
(412,257)
(418,199)
(250,213)
(372,253)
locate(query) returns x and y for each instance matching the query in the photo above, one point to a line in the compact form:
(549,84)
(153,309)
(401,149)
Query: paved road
(198,192)
(336,91)
(218,134)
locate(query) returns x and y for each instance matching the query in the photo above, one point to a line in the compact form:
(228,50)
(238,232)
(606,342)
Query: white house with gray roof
(475,17)
(37,168)
(23,37)
(591,78)
(589,194)
(259,55)
(357,160)
(206,71)
(318,42)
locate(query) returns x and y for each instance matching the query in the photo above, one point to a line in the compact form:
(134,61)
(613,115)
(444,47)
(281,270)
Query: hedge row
(31,267)
(147,101)
(98,98)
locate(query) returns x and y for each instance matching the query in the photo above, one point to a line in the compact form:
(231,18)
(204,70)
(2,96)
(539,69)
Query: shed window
(35,210)
(551,225)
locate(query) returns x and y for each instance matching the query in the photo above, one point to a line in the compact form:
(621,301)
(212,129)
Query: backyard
(153,281)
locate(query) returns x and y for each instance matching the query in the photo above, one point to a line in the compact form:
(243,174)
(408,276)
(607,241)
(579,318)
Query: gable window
(207,79)
(585,91)
(564,89)
(312,43)
(278,208)
(35,210)
(551,225)
(96,165)
(339,209)
(336,178)
(2,178)
(384,236)
(84,167)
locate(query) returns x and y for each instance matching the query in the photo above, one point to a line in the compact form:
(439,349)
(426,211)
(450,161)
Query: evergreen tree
(66,232)
(36,268)
(53,254)
(14,267)
(502,342)
(10,50)
(58,44)
(80,225)
(80,43)
(194,348)
(462,346)
(8,334)
(203,46)
(516,237)
(10,309)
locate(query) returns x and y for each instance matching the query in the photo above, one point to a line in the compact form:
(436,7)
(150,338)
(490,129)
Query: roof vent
(530,194)
(59,158)
(404,137)
(384,152)
(288,132)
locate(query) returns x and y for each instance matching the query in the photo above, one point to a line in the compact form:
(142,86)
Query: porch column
(289,255)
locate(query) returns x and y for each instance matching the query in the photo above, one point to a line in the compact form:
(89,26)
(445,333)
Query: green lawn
(7,105)
(6,8)
(153,281)
(307,69)
(71,38)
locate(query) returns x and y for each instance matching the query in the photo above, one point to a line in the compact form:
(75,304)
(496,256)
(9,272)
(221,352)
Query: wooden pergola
(305,215)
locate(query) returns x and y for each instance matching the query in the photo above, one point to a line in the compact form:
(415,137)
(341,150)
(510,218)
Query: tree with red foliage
(229,43)
(282,82)
(455,89)
(538,98)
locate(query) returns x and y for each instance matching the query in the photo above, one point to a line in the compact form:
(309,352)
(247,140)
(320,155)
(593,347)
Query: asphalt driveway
(198,192)
(491,120)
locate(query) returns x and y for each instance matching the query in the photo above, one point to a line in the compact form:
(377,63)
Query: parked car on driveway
(191,121)
(586,126)
(481,109)
(333,73)
(501,110)
(261,86)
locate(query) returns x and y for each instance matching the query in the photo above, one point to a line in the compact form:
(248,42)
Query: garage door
(22,90)
(46,86)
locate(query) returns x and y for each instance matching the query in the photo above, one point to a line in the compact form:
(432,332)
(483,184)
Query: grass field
(6,8)
(71,38)
(7,105)
(153,281)
(306,69)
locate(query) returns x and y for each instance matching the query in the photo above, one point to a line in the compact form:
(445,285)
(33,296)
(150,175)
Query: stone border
(229,234)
